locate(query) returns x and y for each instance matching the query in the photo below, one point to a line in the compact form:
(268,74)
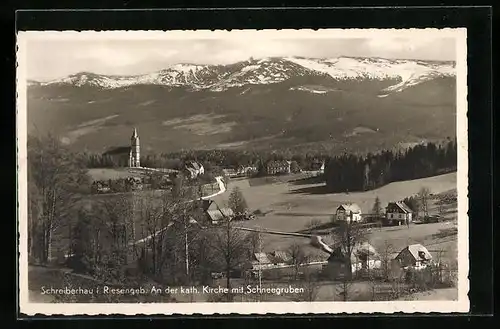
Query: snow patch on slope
(310,90)
(272,70)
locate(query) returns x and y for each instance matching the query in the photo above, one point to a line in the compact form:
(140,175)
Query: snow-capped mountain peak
(271,70)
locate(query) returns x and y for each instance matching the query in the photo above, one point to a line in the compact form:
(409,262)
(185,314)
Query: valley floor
(289,211)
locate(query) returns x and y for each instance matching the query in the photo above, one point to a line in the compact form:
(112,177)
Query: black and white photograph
(244,171)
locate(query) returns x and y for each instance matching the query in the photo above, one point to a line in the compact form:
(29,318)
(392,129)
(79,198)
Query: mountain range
(335,104)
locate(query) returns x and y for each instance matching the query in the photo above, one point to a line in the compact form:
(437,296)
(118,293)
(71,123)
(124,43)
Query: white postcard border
(460,305)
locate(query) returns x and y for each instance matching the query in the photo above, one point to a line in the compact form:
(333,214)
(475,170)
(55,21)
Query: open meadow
(289,207)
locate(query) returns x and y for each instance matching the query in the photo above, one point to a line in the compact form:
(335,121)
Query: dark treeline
(209,158)
(357,173)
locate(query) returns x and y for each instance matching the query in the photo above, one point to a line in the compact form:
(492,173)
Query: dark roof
(401,205)
(278,163)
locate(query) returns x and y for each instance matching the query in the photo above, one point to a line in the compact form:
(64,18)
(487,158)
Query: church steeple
(135,157)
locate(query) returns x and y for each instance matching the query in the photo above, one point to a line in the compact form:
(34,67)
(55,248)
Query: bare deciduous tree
(297,258)
(231,245)
(114,219)
(423,197)
(348,236)
(309,284)
(344,288)
(386,259)
(56,180)
(169,223)
(441,202)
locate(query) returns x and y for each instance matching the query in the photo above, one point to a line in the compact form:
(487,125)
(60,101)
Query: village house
(363,257)
(398,213)
(215,214)
(193,169)
(415,256)
(348,212)
(276,167)
(247,170)
(260,260)
(271,260)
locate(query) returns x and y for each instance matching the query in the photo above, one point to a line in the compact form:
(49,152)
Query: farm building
(216,214)
(398,213)
(275,167)
(363,257)
(415,256)
(280,257)
(275,259)
(260,260)
(348,212)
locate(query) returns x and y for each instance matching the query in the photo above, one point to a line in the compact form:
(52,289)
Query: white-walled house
(398,213)
(348,212)
(415,256)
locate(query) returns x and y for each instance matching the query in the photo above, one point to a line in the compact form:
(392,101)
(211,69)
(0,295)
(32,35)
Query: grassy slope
(109,173)
(292,211)
(292,118)
(271,196)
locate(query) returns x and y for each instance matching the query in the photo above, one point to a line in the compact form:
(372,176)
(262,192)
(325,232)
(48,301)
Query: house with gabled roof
(415,256)
(279,257)
(398,213)
(276,167)
(363,257)
(261,261)
(215,214)
(348,211)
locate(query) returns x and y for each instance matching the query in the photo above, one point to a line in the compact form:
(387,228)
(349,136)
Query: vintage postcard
(244,171)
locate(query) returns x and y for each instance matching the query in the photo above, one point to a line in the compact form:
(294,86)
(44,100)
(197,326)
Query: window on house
(422,255)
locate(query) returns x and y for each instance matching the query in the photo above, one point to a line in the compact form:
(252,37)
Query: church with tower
(134,159)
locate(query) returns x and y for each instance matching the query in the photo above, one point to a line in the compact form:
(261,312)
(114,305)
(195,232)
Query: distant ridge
(269,70)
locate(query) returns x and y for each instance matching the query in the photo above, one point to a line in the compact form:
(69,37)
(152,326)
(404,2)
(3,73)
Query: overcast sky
(51,59)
